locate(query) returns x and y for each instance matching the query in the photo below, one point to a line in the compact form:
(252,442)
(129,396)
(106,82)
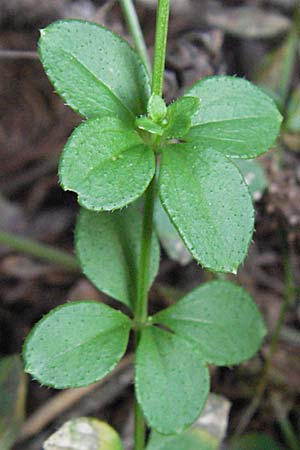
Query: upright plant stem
(136,32)
(41,251)
(162,20)
(143,275)
(141,304)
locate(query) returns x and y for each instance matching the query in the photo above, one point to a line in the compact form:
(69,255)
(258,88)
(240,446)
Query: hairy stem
(141,306)
(139,427)
(143,275)
(136,32)
(41,251)
(162,20)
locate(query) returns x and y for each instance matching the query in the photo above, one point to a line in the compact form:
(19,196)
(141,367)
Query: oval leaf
(13,395)
(179,116)
(108,247)
(235,117)
(94,70)
(221,318)
(76,344)
(206,434)
(156,108)
(209,203)
(147,124)
(171,381)
(106,164)
(84,434)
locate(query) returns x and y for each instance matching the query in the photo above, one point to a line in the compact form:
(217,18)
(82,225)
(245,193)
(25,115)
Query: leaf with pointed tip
(84,433)
(95,71)
(221,318)
(179,116)
(76,344)
(107,164)
(147,124)
(206,198)
(108,247)
(171,381)
(156,108)
(235,117)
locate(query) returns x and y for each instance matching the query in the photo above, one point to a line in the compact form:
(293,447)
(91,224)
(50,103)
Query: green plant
(111,162)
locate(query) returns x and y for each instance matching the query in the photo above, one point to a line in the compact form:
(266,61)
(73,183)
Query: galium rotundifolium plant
(129,147)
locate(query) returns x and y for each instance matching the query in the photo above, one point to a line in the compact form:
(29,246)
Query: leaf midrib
(95,337)
(199,190)
(234,119)
(94,76)
(214,138)
(193,339)
(106,160)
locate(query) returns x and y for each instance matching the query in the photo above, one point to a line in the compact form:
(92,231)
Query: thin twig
(39,250)
(18,54)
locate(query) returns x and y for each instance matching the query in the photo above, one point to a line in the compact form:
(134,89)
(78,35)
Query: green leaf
(157,109)
(209,203)
(94,70)
(221,318)
(235,117)
(207,432)
(86,434)
(179,116)
(192,439)
(12,404)
(144,123)
(255,441)
(106,164)
(171,381)
(169,238)
(254,176)
(76,344)
(108,247)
